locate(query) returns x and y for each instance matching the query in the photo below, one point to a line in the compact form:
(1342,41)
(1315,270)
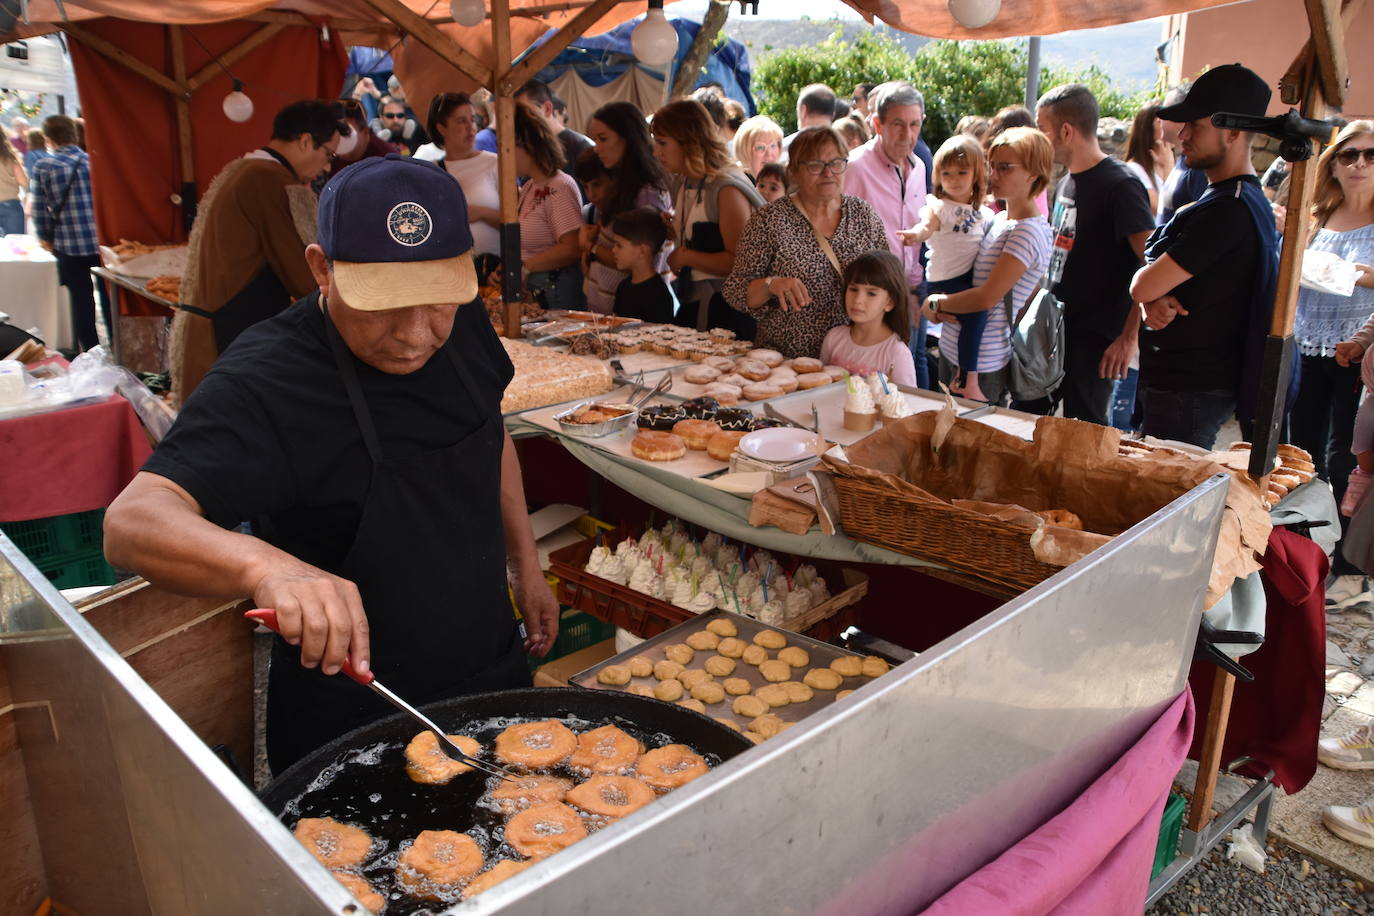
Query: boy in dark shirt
(638,236)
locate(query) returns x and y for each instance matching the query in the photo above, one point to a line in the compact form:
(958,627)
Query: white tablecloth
(29,292)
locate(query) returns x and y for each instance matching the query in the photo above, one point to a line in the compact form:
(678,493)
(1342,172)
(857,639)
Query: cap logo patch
(409,224)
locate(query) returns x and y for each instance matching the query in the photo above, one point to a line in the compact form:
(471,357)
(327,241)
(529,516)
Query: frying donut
(755,655)
(654,445)
(614,675)
(770,639)
(805,364)
(708,692)
(604,750)
(544,829)
(668,690)
(670,766)
(770,358)
(693,704)
(748,706)
(427,763)
(680,653)
(611,796)
(433,865)
(493,876)
(823,679)
(813,380)
(700,374)
(762,391)
(774,695)
(767,725)
(848,666)
(797,692)
(723,626)
(795,656)
(703,640)
(720,666)
(736,686)
(693,676)
(731,647)
(753,370)
(517,794)
(640,690)
(696,433)
(873,666)
(336,845)
(640,666)
(722,445)
(725,392)
(536,744)
(369,898)
(667,670)
(776,671)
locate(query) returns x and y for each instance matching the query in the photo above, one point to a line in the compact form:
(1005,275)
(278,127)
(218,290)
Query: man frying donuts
(360,434)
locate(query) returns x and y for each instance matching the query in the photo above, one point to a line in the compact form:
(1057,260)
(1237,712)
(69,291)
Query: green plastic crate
(576,631)
(78,571)
(45,541)
(1170,827)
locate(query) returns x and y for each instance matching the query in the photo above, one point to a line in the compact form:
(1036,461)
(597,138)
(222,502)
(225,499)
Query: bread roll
(653,445)
(722,445)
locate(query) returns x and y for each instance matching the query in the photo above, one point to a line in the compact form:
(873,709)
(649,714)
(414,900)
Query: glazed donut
(604,750)
(753,369)
(611,796)
(720,666)
(696,433)
(874,666)
(670,766)
(493,876)
(700,374)
(770,639)
(536,744)
(640,666)
(438,860)
(736,686)
(542,830)
(804,364)
(813,380)
(517,794)
(703,640)
(723,626)
(681,653)
(733,379)
(719,363)
(774,695)
(708,692)
(749,706)
(1062,518)
(427,763)
(654,445)
(784,380)
(722,445)
(823,679)
(762,391)
(836,373)
(775,671)
(770,358)
(693,704)
(848,666)
(755,655)
(727,395)
(367,896)
(336,845)
(614,675)
(795,656)
(731,647)
(797,692)
(668,690)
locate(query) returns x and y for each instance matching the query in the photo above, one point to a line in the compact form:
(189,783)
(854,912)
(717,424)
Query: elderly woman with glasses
(757,143)
(792,253)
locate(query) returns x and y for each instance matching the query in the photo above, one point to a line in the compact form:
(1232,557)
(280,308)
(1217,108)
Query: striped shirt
(1030,242)
(549,210)
(74,229)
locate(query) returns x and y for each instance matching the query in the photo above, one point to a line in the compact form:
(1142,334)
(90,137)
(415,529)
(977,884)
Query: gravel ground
(1290,885)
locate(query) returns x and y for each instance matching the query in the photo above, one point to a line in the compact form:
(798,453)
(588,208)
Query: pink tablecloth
(1094,857)
(66,461)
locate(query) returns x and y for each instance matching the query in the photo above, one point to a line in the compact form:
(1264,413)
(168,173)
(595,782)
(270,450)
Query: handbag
(1036,367)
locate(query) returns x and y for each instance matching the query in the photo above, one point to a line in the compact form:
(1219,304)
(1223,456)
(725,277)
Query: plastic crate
(577,631)
(46,540)
(1171,826)
(74,572)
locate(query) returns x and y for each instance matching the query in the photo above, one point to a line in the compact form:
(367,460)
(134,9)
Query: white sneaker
(1351,751)
(1353,824)
(1347,590)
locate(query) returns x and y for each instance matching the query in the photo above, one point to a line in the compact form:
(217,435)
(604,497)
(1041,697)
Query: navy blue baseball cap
(397,231)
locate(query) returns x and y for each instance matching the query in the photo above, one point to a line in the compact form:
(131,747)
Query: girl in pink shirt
(875,340)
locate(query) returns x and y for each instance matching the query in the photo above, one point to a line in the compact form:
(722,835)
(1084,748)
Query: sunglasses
(836,166)
(1348,157)
(394,116)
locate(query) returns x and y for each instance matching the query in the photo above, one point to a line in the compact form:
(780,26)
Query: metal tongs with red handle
(268,618)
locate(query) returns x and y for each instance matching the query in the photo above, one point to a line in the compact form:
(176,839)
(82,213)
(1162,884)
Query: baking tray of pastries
(697,664)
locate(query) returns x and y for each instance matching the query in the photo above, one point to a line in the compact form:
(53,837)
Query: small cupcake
(720,335)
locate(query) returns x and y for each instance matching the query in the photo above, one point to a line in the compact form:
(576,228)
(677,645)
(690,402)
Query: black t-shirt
(1218,245)
(1096,211)
(647,301)
(573,145)
(269,435)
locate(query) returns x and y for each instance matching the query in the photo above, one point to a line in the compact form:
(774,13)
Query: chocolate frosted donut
(700,408)
(734,418)
(765,423)
(660,417)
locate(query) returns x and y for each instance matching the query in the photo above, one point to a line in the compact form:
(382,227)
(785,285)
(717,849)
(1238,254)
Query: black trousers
(74,272)
(1322,421)
(1085,394)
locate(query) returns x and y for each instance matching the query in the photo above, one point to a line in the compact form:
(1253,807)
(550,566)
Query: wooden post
(512,285)
(186,151)
(711,24)
(1214,733)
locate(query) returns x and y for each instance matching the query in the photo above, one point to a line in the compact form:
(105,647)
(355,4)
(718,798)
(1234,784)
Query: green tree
(961,78)
(778,77)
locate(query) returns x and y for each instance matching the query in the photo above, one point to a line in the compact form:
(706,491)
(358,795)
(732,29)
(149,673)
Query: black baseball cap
(1230,88)
(397,231)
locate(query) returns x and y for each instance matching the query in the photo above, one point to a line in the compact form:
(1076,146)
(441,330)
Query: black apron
(429,560)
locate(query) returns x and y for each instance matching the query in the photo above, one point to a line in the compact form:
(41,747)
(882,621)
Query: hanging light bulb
(974,14)
(468,12)
(237,105)
(654,40)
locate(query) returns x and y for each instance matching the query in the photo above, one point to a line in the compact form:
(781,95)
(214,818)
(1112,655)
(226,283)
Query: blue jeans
(970,326)
(11,217)
(1123,400)
(1187,416)
(917,344)
(559,289)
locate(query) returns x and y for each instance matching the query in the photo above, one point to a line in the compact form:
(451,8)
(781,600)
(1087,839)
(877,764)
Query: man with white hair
(19,135)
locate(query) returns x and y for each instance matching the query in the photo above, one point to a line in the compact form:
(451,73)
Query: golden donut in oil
(435,864)
(493,876)
(542,830)
(611,796)
(670,766)
(427,763)
(336,845)
(536,744)
(604,750)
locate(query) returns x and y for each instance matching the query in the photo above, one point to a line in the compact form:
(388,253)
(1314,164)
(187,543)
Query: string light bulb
(468,12)
(237,105)
(654,40)
(974,14)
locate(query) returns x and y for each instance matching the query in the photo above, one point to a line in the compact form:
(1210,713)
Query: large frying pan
(360,777)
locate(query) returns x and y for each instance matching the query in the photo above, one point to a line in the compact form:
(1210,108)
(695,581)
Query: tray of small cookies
(752,677)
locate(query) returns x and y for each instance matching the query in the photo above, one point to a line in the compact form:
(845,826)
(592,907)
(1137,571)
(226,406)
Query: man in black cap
(360,432)
(1210,273)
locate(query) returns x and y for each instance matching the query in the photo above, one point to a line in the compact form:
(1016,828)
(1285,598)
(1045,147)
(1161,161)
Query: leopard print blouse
(778,242)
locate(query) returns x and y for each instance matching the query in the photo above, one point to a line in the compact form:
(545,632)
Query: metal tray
(822,654)
(596,430)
